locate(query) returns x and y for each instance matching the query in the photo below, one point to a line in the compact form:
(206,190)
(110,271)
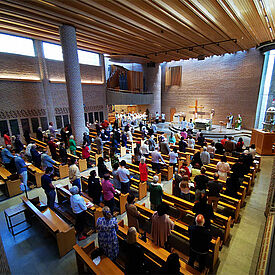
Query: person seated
(172,264)
(94,187)
(134,263)
(214,189)
(132,212)
(200,239)
(202,207)
(161,226)
(107,234)
(205,156)
(156,192)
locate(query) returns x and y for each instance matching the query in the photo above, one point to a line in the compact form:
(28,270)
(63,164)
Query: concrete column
(73,80)
(45,81)
(153,85)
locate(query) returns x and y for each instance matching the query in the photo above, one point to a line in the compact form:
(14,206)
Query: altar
(178,117)
(203,124)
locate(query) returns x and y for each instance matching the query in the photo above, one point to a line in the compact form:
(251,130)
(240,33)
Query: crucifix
(196,109)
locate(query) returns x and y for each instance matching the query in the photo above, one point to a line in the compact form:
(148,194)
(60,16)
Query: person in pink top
(183,133)
(223,168)
(108,192)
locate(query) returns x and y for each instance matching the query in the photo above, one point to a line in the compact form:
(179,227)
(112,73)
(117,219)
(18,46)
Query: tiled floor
(35,252)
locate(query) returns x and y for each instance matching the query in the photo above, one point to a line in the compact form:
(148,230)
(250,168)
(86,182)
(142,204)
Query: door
(172,112)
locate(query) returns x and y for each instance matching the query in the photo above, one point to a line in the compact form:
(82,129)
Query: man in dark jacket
(214,189)
(200,239)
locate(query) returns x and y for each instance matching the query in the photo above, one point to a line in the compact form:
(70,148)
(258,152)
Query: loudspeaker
(151,64)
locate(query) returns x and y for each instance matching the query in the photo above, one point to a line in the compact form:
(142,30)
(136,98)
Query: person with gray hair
(21,168)
(134,263)
(156,192)
(79,208)
(205,156)
(107,237)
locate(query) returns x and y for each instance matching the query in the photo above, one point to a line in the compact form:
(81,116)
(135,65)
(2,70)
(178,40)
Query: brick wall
(228,83)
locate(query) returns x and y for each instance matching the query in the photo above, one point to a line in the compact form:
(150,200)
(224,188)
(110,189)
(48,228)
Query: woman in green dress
(72,145)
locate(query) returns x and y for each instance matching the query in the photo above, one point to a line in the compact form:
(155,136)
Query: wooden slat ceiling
(161,30)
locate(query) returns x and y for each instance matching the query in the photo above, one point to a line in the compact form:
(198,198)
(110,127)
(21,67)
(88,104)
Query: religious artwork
(238,122)
(229,123)
(196,109)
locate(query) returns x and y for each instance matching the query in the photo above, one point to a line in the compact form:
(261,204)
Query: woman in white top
(223,168)
(144,149)
(173,159)
(191,142)
(129,135)
(211,149)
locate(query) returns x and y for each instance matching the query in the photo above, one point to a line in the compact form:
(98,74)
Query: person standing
(200,239)
(157,117)
(94,187)
(86,153)
(51,129)
(156,192)
(79,208)
(173,158)
(21,168)
(211,149)
(132,212)
(7,157)
(229,146)
(172,139)
(46,182)
(36,156)
(72,145)
(162,117)
(191,142)
(156,156)
(107,234)
(161,226)
(53,146)
(124,177)
(152,143)
(214,189)
(7,138)
(99,144)
(182,145)
(46,160)
(18,146)
(63,153)
(144,149)
(200,183)
(143,170)
(223,168)
(205,156)
(74,174)
(164,147)
(39,134)
(108,192)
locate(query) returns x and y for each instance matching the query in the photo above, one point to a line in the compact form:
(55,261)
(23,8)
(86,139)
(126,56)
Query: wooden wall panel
(228,83)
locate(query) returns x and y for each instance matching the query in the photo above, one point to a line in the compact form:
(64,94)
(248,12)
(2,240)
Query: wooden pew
(36,173)
(63,233)
(11,187)
(120,200)
(156,255)
(63,196)
(85,264)
(180,233)
(186,207)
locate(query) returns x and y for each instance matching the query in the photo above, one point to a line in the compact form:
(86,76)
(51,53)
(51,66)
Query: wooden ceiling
(147,28)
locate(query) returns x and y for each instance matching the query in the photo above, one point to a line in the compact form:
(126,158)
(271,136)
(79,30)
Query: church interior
(137,137)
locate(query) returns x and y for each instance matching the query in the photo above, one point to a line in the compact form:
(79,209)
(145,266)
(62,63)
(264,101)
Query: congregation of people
(111,180)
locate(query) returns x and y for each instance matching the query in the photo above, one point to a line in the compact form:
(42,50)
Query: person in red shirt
(7,139)
(86,153)
(185,170)
(53,146)
(224,140)
(143,170)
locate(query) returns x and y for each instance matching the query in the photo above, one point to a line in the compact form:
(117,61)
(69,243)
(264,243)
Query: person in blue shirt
(46,160)
(46,182)
(22,170)
(7,157)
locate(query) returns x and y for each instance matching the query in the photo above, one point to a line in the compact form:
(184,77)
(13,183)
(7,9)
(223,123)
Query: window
(58,122)
(16,45)
(101,116)
(14,127)
(91,117)
(3,127)
(66,120)
(88,58)
(25,125)
(44,123)
(86,117)
(96,116)
(35,124)
(54,52)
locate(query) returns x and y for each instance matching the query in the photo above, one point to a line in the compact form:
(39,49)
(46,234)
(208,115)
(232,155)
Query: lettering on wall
(22,113)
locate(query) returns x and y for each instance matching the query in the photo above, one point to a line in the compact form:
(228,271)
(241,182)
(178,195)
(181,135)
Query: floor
(34,251)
